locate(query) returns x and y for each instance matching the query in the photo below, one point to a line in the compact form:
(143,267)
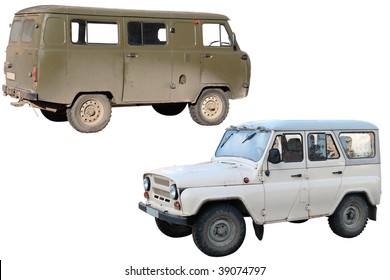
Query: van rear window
(28,30)
(16,31)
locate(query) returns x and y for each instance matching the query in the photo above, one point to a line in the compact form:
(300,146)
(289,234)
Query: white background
(69,201)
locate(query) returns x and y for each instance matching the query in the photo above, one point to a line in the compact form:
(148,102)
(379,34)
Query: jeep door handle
(132,55)
(337,172)
(296,176)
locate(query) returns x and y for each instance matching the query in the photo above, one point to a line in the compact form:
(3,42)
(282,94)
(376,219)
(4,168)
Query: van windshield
(249,144)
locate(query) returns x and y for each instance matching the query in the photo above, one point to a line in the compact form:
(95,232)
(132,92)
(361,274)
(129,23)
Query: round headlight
(147,184)
(173,191)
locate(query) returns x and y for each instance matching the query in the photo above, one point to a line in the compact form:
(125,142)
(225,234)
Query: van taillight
(35,74)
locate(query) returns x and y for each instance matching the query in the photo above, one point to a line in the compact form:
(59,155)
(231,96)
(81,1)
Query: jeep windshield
(245,143)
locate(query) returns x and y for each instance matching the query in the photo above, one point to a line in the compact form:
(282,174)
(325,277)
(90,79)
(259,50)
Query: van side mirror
(234,42)
(274,156)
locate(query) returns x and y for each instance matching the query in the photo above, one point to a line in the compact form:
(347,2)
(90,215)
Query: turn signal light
(146,195)
(177,205)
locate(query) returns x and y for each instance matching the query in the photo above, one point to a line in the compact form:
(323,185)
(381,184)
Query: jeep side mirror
(274,156)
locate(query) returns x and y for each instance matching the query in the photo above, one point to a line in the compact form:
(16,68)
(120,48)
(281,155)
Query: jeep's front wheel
(173,230)
(219,230)
(90,113)
(211,108)
(350,217)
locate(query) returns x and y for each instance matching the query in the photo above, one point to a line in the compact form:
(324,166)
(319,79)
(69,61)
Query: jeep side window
(15,31)
(358,144)
(331,149)
(215,35)
(84,32)
(290,147)
(146,33)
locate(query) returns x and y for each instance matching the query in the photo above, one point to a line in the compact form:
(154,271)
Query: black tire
(169,109)
(173,230)
(350,217)
(219,230)
(211,108)
(90,113)
(59,116)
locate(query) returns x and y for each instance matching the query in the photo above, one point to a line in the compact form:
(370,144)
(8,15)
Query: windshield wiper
(227,139)
(249,137)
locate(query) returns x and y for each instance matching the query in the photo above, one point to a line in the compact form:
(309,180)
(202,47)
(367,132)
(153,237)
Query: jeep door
(148,62)
(325,168)
(286,191)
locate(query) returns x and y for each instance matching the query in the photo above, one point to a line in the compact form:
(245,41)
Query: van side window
(358,144)
(290,147)
(84,32)
(15,31)
(146,33)
(215,35)
(28,30)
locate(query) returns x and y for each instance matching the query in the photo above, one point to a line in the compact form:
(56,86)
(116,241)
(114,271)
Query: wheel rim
(91,112)
(211,107)
(221,232)
(351,216)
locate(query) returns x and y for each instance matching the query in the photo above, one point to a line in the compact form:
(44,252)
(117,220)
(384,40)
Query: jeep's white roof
(295,125)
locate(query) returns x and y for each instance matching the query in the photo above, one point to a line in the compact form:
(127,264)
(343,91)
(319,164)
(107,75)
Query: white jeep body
(324,171)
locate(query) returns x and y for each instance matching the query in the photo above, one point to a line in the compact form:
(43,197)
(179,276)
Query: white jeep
(271,171)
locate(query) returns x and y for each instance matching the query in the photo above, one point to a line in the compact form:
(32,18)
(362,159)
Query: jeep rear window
(16,31)
(85,32)
(358,144)
(146,33)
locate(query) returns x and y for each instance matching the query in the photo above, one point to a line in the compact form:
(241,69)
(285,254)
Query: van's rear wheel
(350,217)
(90,113)
(169,109)
(59,116)
(211,108)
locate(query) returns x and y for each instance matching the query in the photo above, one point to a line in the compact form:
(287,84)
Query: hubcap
(221,232)
(91,112)
(211,107)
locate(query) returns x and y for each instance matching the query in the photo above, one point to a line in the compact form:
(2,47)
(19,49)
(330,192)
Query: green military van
(76,63)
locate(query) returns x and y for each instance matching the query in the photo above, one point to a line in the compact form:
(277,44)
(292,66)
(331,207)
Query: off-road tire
(211,108)
(219,230)
(59,116)
(169,109)
(173,230)
(89,113)
(350,217)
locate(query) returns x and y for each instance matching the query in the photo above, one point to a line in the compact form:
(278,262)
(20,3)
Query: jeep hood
(212,173)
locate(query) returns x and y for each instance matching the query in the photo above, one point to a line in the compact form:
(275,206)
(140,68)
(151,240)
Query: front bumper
(172,219)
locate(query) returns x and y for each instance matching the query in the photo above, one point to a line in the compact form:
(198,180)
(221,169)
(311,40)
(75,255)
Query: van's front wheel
(211,108)
(90,113)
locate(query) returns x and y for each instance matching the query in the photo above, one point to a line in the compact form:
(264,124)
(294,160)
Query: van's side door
(286,190)
(148,61)
(325,168)
(186,61)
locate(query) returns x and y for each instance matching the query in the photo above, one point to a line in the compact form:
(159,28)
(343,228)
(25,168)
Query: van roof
(56,9)
(298,125)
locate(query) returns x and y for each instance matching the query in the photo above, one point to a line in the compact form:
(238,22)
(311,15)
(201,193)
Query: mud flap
(259,230)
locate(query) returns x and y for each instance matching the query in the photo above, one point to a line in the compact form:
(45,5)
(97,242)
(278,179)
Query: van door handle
(337,172)
(296,176)
(132,55)
(207,55)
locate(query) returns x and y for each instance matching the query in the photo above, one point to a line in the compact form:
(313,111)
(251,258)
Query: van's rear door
(22,53)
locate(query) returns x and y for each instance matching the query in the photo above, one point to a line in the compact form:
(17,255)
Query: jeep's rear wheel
(169,109)
(219,230)
(59,116)
(211,108)
(173,230)
(350,217)
(90,113)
